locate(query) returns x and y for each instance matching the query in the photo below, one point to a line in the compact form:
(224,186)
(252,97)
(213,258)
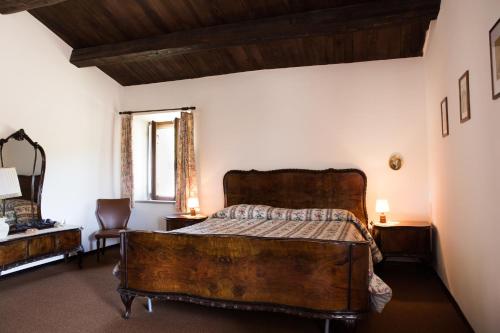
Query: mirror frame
(20,136)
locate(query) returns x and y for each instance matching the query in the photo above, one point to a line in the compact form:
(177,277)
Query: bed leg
(350,325)
(150,305)
(327,325)
(127,301)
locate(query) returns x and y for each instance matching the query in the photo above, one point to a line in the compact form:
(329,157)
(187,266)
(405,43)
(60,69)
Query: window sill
(155,201)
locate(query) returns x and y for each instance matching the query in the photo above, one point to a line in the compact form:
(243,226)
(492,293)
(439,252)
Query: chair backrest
(113,213)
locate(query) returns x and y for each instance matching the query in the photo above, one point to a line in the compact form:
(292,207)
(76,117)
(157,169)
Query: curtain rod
(184,108)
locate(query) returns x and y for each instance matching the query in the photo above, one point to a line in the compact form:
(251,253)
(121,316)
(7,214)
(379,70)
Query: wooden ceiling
(146,41)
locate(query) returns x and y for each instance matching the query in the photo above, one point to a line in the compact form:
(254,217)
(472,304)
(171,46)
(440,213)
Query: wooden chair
(113,216)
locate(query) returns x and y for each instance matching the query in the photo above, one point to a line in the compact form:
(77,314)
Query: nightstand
(177,221)
(409,239)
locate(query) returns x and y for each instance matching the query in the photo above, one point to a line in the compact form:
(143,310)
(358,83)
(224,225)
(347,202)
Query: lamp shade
(382,206)
(193,203)
(9,183)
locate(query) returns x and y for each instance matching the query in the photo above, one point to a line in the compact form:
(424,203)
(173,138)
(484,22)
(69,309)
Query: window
(153,147)
(162,160)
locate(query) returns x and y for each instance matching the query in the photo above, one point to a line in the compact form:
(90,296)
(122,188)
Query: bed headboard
(298,188)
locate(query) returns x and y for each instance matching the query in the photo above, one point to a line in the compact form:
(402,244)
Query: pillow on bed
(273,213)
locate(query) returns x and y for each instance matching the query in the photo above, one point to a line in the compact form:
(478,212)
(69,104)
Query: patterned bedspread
(266,221)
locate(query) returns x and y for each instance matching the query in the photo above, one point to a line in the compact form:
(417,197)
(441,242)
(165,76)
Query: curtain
(127,175)
(185,168)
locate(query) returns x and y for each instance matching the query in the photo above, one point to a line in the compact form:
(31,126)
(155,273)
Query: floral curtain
(185,171)
(127,175)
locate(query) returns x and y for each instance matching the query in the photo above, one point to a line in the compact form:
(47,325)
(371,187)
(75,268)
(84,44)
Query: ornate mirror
(28,157)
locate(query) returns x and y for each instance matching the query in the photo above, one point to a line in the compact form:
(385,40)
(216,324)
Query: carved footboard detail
(305,277)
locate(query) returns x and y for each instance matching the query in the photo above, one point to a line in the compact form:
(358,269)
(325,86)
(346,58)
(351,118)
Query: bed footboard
(305,277)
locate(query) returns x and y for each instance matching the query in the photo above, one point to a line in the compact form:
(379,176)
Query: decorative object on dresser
(9,188)
(28,157)
(382,207)
(177,221)
(31,237)
(495,59)
(113,216)
(409,239)
(219,269)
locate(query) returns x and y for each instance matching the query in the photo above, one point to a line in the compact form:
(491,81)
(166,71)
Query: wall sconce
(396,161)
(382,207)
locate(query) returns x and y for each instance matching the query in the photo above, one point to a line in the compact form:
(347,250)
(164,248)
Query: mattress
(326,224)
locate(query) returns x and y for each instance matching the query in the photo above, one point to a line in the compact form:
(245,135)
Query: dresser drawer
(68,240)
(39,246)
(13,252)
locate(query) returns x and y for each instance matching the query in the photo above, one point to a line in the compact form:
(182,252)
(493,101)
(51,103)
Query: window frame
(154,126)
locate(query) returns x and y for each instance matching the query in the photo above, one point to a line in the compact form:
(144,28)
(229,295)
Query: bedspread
(327,224)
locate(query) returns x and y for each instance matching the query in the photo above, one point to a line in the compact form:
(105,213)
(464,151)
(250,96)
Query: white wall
(464,178)
(69,111)
(342,116)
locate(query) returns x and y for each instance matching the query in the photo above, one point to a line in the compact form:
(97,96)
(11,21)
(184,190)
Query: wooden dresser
(20,249)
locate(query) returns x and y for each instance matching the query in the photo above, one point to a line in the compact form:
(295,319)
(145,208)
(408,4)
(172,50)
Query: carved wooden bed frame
(306,277)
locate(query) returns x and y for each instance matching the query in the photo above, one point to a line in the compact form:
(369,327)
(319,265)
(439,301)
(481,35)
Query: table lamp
(9,188)
(382,207)
(192,204)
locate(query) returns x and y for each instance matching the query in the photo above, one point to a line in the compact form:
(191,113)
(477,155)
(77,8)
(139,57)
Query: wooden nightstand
(410,239)
(177,221)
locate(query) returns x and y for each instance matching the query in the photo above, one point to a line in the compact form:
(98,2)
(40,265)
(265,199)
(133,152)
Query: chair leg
(103,245)
(98,248)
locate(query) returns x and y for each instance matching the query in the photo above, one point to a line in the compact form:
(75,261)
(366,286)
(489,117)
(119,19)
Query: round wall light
(396,161)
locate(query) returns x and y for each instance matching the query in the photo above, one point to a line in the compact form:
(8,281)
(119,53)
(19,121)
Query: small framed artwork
(495,59)
(463,85)
(445,128)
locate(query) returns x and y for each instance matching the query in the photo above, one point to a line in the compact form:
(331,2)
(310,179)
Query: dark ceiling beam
(14,6)
(368,15)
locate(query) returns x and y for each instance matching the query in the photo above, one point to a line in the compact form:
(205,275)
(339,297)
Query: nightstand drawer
(410,242)
(404,239)
(175,224)
(178,221)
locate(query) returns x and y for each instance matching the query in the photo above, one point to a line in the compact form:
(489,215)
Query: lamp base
(383,219)
(193,212)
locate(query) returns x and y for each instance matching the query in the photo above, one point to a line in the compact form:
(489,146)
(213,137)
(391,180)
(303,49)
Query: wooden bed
(306,277)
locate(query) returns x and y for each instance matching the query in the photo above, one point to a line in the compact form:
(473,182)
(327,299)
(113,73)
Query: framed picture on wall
(463,85)
(495,59)
(445,129)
